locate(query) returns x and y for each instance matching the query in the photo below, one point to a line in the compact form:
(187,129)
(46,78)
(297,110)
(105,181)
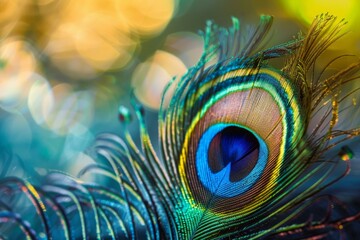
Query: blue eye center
(235,146)
(230,159)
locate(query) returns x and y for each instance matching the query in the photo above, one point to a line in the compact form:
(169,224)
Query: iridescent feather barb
(245,151)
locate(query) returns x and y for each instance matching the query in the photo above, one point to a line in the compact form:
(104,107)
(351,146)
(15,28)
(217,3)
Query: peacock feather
(245,150)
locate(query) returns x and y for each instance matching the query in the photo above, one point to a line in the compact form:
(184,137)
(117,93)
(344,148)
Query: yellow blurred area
(85,38)
(10,13)
(89,37)
(147,16)
(307,10)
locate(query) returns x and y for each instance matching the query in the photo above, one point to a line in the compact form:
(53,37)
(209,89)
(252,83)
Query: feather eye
(252,122)
(240,127)
(238,156)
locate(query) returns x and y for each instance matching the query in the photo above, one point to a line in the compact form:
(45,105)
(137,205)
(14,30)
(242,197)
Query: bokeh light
(11,13)
(183,50)
(91,37)
(151,77)
(17,67)
(187,46)
(69,110)
(39,92)
(85,38)
(147,16)
(95,36)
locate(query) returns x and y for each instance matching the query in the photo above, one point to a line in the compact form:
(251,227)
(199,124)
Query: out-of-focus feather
(243,154)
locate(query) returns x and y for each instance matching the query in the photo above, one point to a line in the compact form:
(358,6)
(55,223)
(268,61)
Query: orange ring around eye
(245,108)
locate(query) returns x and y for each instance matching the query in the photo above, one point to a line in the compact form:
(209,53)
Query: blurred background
(67,65)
